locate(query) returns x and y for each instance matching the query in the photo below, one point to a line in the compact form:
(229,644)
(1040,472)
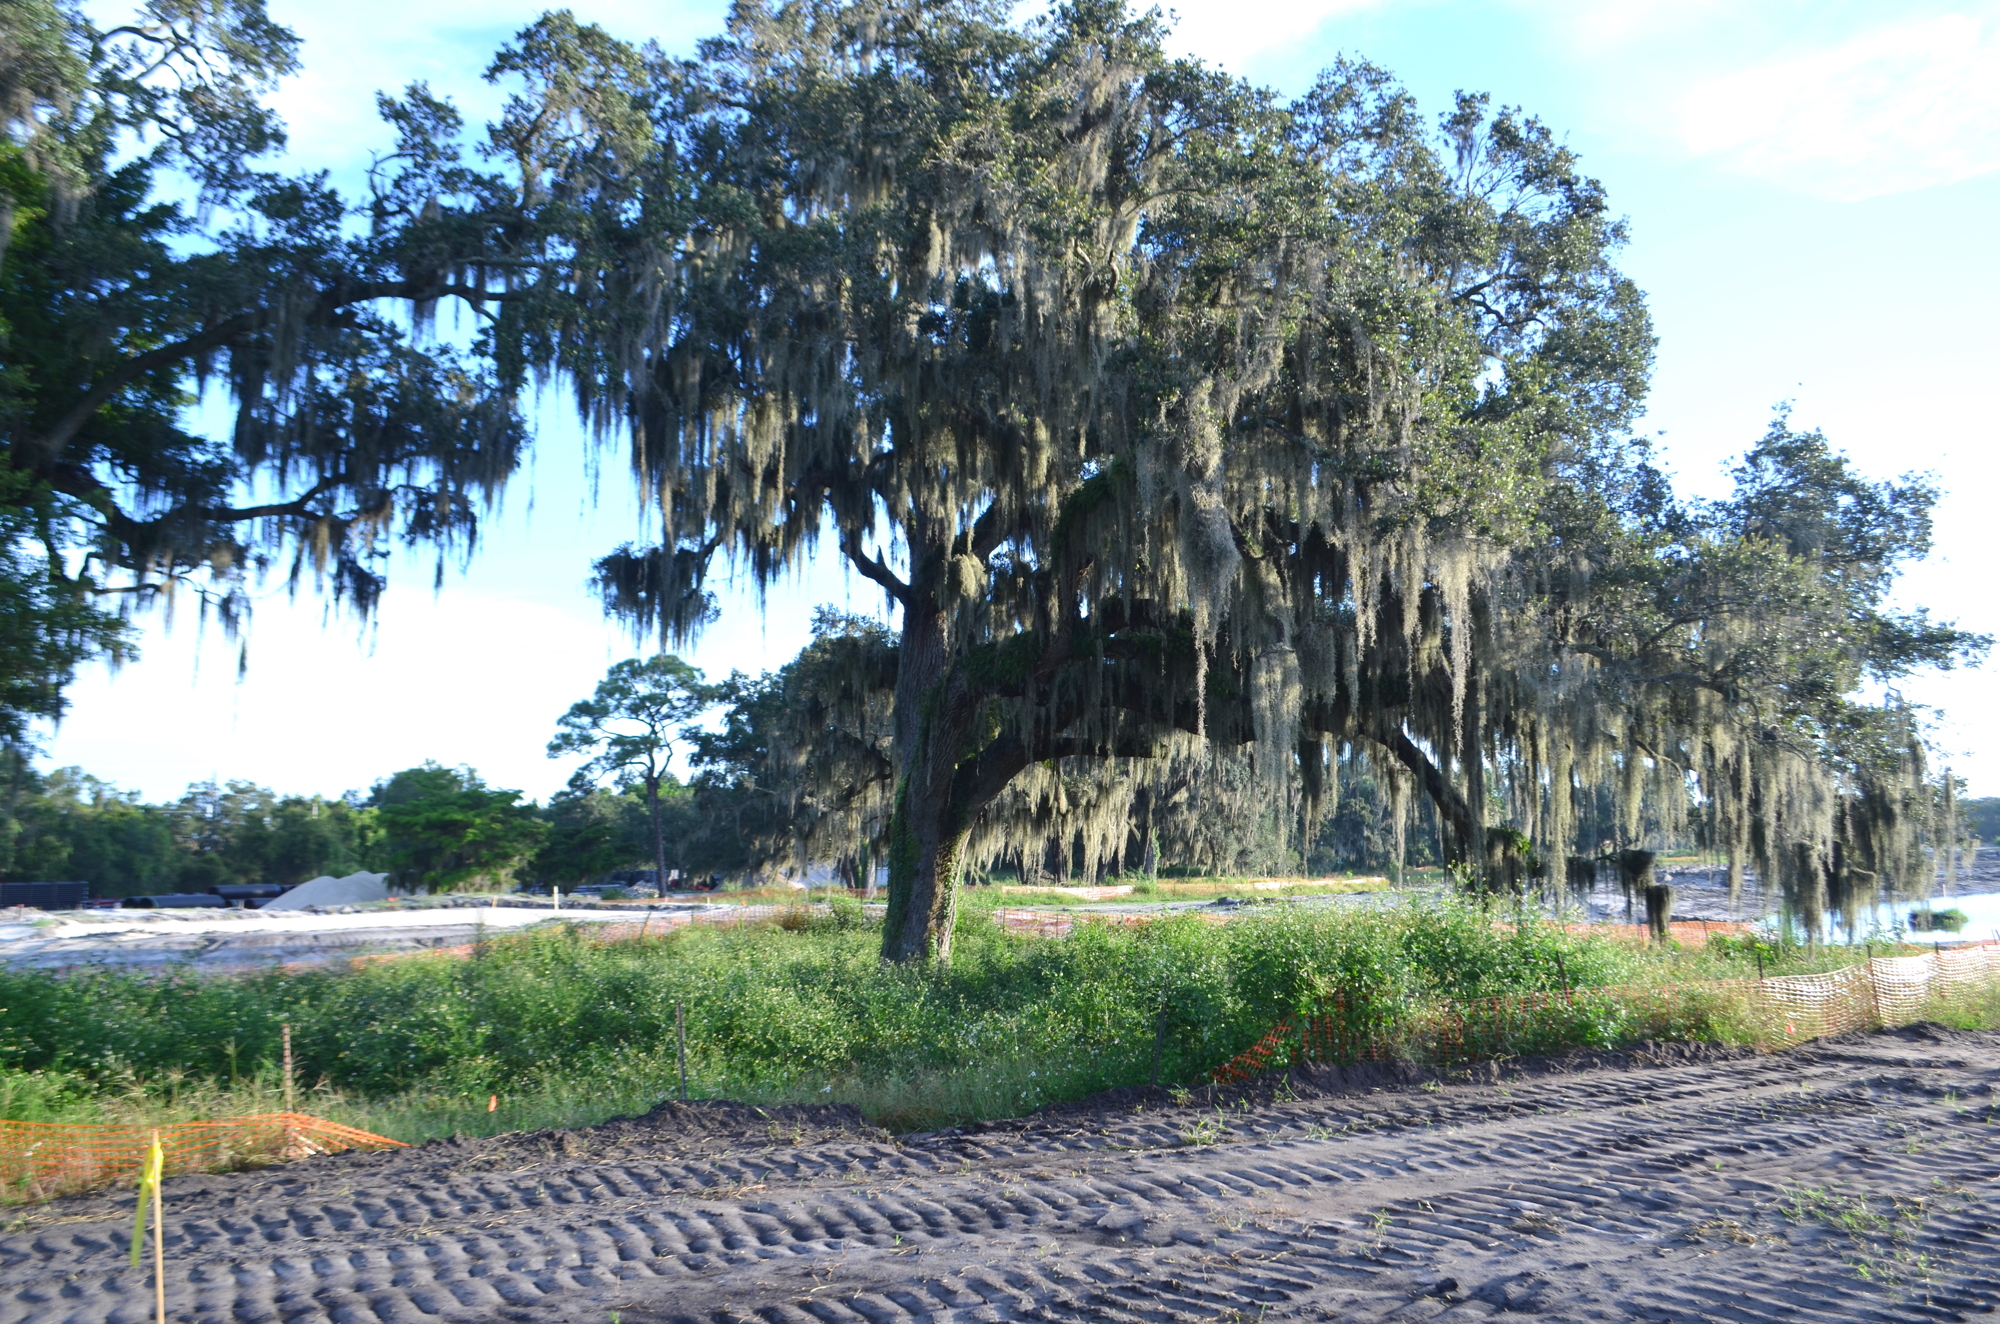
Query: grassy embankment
(566,1029)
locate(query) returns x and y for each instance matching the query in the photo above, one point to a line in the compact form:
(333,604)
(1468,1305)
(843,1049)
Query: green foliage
(592,832)
(144,259)
(445,829)
(440,827)
(774,1012)
(1738,634)
(48,627)
(794,774)
(568,1029)
(629,727)
(1368,831)
(67,824)
(244,833)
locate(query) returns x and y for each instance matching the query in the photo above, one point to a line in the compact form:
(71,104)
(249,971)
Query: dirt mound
(1845,1181)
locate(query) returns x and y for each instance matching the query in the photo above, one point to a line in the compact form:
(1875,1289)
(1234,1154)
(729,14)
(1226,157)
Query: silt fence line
(43,1159)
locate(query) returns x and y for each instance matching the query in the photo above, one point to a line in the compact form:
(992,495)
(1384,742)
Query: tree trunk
(659,841)
(926,857)
(1659,911)
(928,828)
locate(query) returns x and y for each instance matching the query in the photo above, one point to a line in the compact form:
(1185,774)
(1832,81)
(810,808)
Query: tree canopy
(1165,410)
(629,726)
(444,829)
(122,309)
(68,825)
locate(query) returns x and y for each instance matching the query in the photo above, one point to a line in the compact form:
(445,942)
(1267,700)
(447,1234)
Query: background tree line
(434,828)
(439,828)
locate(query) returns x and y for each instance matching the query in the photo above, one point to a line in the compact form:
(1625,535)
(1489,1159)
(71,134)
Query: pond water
(1981,909)
(1702,892)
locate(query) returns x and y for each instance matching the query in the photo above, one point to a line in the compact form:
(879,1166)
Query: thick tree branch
(1610,658)
(73,480)
(871,567)
(50,445)
(1450,804)
(296,506)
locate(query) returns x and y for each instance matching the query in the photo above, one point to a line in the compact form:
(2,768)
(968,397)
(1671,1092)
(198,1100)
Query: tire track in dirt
(1721,1189)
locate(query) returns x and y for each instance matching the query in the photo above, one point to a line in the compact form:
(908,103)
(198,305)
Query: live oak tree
(1165,411)
(629,727)
(1160,408)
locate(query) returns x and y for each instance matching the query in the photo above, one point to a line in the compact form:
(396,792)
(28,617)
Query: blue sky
(1811,189)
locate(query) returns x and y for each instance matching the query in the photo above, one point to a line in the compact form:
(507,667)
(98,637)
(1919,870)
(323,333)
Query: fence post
(681,1046)
(1159,1040)
(286,1029)
(156,1165)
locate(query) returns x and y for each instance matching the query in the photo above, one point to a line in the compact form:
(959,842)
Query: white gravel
(218,938)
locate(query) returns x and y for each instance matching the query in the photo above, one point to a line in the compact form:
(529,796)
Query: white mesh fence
(1888,990)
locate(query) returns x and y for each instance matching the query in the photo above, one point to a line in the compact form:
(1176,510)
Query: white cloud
(476,674)
(1898,107)
(1230,34)
(1600,27)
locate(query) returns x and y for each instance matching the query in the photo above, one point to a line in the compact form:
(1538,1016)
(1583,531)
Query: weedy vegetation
(567,1029)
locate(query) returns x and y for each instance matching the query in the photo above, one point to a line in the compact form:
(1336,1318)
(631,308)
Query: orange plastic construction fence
(41,1159)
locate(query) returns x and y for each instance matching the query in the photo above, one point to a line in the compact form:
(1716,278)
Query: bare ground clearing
(1850,1179)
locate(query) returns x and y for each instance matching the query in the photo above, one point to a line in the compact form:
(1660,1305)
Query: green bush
(775,1013)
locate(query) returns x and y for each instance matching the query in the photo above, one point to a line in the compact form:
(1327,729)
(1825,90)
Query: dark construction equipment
(45,896)
(174,901)
(248,895)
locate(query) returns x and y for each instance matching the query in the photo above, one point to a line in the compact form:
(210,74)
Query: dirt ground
(1851,1179)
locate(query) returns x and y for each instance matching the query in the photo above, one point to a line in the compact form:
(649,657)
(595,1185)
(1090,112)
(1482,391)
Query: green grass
(554,1020)
(567,1029)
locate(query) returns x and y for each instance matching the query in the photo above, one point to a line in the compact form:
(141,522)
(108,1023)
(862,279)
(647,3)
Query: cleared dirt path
(1853,1179)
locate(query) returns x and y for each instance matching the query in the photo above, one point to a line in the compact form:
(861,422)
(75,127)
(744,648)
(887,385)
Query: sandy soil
(1676,1183)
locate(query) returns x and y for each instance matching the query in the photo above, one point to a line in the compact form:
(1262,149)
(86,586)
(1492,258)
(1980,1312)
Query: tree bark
(1461,834)
(659,840)
(928,828)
